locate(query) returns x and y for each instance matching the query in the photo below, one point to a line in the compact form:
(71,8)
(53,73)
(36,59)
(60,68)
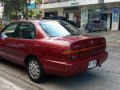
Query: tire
(35,70)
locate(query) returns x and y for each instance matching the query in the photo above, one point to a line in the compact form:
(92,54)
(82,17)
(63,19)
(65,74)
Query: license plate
(92,64)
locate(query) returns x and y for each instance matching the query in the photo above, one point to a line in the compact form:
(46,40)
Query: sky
(32,1)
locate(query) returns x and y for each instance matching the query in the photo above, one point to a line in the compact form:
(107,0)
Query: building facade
(1,10)
(83,11)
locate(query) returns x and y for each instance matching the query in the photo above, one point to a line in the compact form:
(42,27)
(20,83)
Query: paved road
(112,37)
(106,77)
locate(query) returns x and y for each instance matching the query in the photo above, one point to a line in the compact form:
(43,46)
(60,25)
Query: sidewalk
(7,85)
(112,37)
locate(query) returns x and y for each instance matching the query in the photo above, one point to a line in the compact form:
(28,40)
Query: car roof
(55,18)
(41,20)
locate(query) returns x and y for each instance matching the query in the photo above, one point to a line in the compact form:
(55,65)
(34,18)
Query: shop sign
(93,10)
(33,6)
(75,8)
(115,14)
(75,4)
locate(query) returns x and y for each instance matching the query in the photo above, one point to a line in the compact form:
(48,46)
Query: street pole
(101,3)
(26,10)
(101,7)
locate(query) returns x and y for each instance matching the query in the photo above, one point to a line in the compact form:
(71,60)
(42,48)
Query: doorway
(49,14)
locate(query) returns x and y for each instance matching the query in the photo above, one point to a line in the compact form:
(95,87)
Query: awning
(106,11)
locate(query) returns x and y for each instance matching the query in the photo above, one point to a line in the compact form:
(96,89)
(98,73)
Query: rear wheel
(35,70)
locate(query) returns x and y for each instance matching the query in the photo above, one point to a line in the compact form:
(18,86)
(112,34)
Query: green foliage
(34,14)
(12,7)
(38,1)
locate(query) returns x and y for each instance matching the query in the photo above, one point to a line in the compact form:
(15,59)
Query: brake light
(75,54)
(93,47)
(72,54)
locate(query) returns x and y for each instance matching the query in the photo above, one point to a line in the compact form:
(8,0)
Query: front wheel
(35,70)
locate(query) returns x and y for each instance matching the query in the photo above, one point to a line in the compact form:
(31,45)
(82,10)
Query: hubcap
(34,69)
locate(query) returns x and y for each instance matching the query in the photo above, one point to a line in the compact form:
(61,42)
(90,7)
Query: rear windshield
(59,29)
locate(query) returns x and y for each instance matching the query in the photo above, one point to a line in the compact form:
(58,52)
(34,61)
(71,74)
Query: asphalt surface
(107,77)
(112,37)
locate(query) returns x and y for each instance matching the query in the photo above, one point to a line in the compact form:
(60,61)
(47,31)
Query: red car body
(63,56)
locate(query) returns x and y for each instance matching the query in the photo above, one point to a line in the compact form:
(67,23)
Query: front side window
(58,28)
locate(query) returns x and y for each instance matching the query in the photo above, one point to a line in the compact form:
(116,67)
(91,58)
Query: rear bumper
(74,67)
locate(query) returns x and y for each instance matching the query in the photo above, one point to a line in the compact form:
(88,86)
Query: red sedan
(51,47)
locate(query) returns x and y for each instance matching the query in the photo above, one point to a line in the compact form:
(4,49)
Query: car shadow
(12,65)
(75,82)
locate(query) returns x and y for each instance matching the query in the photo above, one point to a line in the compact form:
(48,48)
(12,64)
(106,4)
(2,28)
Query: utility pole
(26,6)
(101,3)
(101,7)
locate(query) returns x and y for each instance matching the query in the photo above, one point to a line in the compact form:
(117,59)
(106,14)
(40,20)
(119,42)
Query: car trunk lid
(84,46)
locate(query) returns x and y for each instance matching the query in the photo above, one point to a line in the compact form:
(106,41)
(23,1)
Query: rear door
(25,41)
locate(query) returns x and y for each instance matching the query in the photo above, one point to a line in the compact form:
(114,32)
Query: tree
(27,2)
(38,2)
(12,7)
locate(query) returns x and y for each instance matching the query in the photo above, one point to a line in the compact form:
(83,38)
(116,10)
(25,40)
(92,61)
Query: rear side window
(27,31)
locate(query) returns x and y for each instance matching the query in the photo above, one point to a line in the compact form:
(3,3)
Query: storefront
(94,13)
(109,15)
(49,14)
(102,15)
(73,13)
(52,12)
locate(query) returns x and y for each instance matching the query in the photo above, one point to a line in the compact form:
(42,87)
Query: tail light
(75,54)
(72,54)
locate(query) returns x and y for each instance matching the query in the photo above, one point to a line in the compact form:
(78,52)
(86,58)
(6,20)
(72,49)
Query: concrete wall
(60,12)
(74,3)
(71,16)
(1,10)
(43,13)
(60,4)
(108,21)
(88,2)
(84,16)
